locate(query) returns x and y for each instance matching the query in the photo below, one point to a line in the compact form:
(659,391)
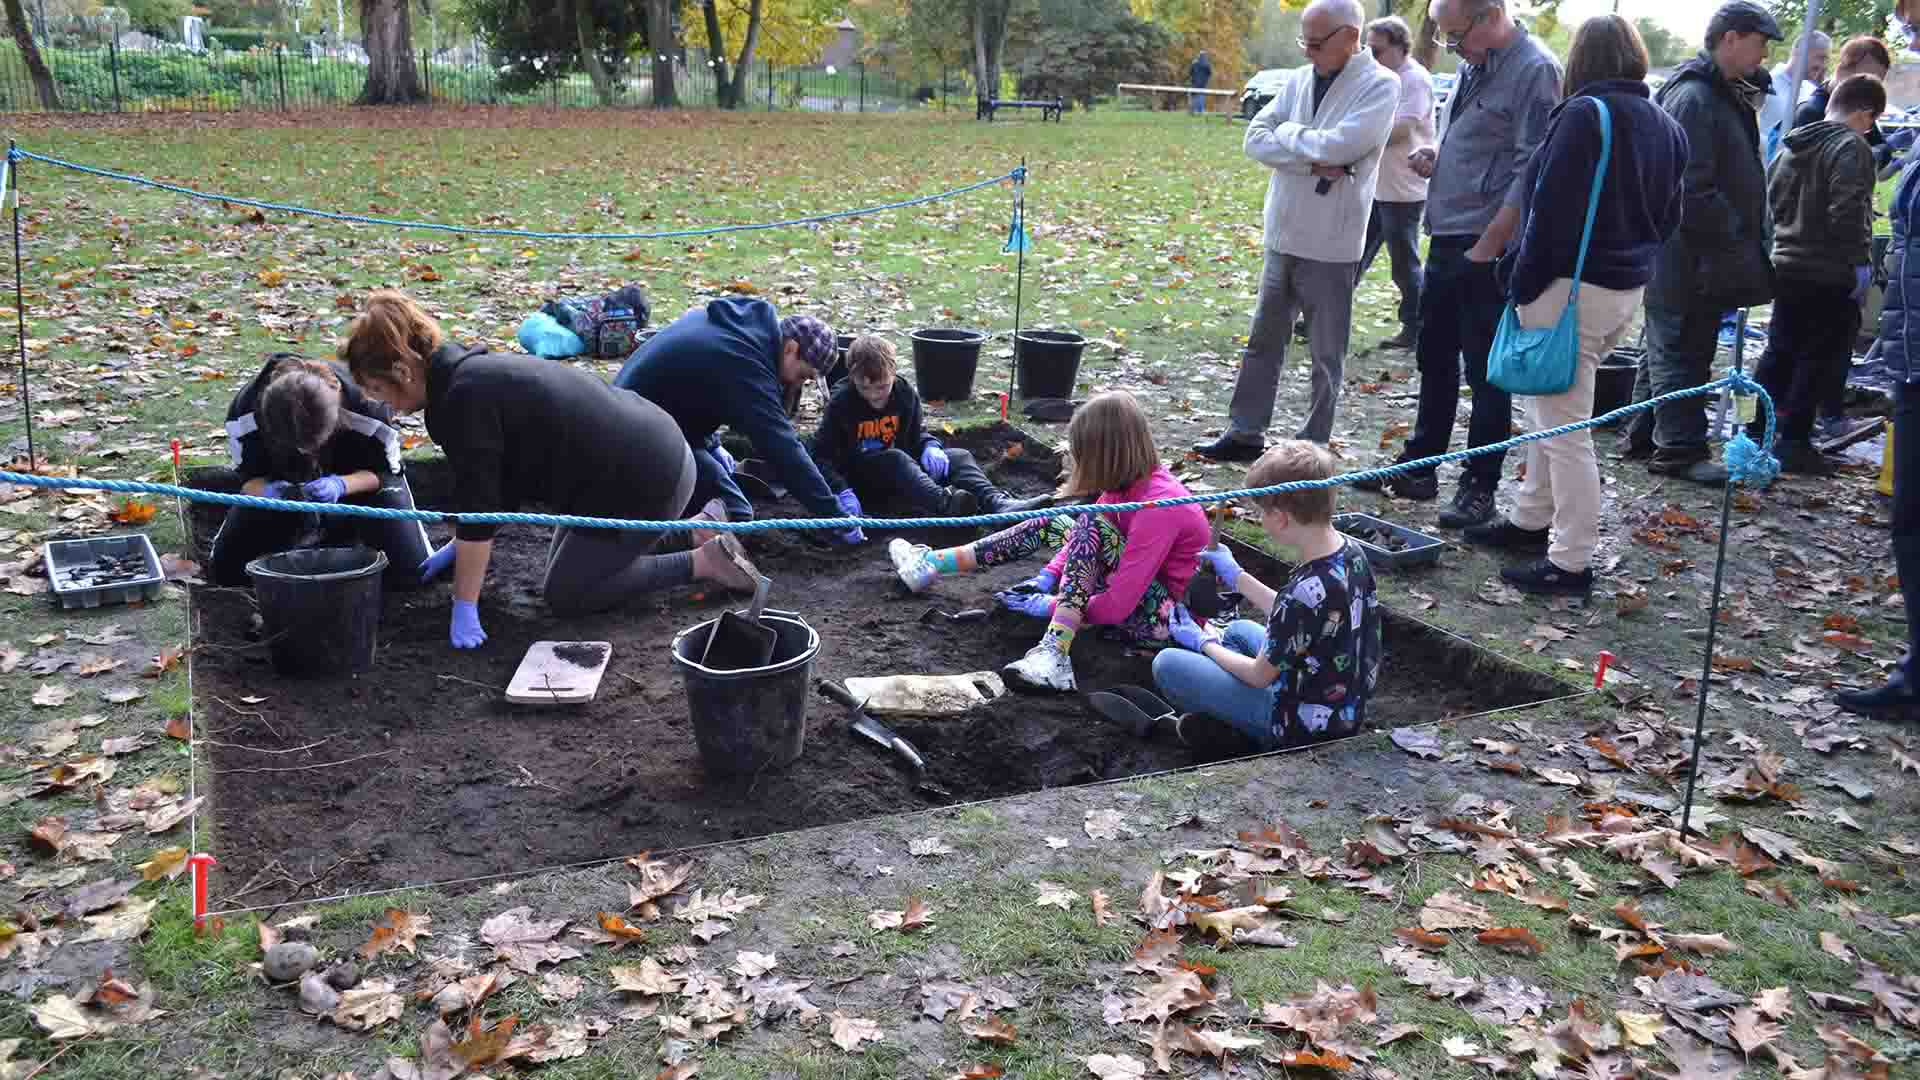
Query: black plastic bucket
(838,372)
(944,361)
(321,607)
(1048,362)
(751,719)
(1613,379)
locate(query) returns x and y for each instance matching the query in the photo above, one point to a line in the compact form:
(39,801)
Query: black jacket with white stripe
(365,439)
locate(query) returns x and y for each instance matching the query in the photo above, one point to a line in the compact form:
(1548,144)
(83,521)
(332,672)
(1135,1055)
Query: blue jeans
(1680,353)
(1397,225)
(1194,683)
(1197,103)
(712,481)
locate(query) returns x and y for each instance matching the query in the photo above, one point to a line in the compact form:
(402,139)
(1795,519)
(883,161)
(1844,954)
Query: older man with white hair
(1777,113)
(1321,137)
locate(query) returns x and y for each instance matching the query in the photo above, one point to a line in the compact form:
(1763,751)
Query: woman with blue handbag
(1573,282)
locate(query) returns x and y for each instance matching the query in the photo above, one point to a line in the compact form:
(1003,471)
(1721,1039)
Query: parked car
(1260,90)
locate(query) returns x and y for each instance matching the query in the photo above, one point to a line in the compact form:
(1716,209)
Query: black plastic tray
(1421,548)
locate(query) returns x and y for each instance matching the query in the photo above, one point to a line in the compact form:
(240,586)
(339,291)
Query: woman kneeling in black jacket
(516,428)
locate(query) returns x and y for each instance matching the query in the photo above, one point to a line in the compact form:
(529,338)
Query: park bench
(1054,109)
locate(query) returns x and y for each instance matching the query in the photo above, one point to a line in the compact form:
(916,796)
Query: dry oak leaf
(1697,1060)
(1450,911)
(1511,938)
(648,977)
(991,1029)
(123,922)
(167,660)
(729,905)
(1051,894)
(1309,1058)
(977,1072)
(166,863)
(523,943)
(63,1018)
(557,987)
(610,929)
(1116,1067)
(1459,1047)
(1176,992)
(1213,1044)
(1417,742)
(1833,945)
(1640,1029)
(395,932)
(1101,916)
(484,1046)
(51,695)
(1105,825)
(1436,978)
(1704,944)
(752,965)
(850,1031)
(1752,1032)
(1224,924)
(1774,1004)
(368,1005)
(914,917)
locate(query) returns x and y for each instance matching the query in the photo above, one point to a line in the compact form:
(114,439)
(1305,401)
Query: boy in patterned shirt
(1306,676)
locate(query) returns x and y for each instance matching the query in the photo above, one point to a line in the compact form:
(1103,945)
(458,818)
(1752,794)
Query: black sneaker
(1003,503)
(1472,505)
(1545,579)
(1407,338)
(1501,533)
(1801,459)
(961,503)
(1211,738)
(1228,448)
(1887,702)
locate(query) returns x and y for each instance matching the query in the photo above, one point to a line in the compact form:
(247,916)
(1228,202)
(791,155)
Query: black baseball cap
(1745,17)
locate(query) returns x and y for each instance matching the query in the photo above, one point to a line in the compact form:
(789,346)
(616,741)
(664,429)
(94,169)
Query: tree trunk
(717,54)
(742,70)
(387,34)
(1426,42)
(989,38)
(589,51)
(660,47)
(36,65)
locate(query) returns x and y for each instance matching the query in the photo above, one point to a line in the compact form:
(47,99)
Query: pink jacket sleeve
(1148,542)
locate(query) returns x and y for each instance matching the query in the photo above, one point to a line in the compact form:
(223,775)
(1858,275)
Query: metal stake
(20,299)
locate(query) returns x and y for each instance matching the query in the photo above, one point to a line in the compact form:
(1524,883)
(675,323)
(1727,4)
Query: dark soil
(465,784)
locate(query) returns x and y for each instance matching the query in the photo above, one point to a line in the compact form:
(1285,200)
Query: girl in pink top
(1122,570)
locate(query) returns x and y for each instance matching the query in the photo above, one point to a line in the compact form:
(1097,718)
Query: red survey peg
(1600,669)
(1003,406)
(201,863)
(176,455)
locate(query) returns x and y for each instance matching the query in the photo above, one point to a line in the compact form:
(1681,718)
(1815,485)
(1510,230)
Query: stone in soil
(289,960)
(465,771)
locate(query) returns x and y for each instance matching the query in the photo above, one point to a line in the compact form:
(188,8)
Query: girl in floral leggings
(1121,570)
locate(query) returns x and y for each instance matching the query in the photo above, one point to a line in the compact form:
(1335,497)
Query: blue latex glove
(1862,278)
(849,502)
(1187,633)
(933,460)
(1038,605)
(1043,582)
(465,632)
(1224,566)
(725,459)
(277,489)
(327,489)
(436,564)
(852,536)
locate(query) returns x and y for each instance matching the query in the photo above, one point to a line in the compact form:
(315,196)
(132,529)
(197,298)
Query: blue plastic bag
(541,335)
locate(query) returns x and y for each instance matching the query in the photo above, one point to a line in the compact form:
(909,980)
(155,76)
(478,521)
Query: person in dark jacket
(1899,696)
(1557,511)
(1718,260)
(728,364)
(301,430)
(1821,191)
(518,428)
(873,446)
(1199,74)
(1859,56)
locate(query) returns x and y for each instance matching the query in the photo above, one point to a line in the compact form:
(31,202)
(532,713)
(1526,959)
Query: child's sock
(954,560)
(1063,626)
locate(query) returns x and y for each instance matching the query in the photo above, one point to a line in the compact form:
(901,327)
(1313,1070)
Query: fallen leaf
(167,660)
(165,863)
(1105,825)
(396,932)
(1053,895)
(1116,1067)
(1214,1044)
(1704,944)
(484,1046)
(49,834)
(63,1018)
(164,817)
(124,922)
(1450,911)
(368,1005)
(1833,945)
(1750,1031)
(1101,916)
(1775,1004)
(523,943)
(1640,1029)
(1417,742)
(1511,938)
(648,977)
(991,1029)
(1423,939)
(929,847)
(850,1031)
(133,512)
(51,696)
(752,965)
(1458,1047)
(915,916)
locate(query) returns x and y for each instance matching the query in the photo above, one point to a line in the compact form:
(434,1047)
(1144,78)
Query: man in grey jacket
(1496,118)
(1718,260)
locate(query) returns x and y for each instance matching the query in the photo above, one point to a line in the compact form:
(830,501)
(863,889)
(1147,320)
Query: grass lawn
(146,311)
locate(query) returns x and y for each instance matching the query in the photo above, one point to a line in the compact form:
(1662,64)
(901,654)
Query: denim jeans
(1460,306)
(1680,350)
(1198,104)
(1194,683)
(713,481)
(1397,225)
(1906,517)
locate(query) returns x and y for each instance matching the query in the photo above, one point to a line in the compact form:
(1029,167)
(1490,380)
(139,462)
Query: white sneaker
(913,562)
(1044,667)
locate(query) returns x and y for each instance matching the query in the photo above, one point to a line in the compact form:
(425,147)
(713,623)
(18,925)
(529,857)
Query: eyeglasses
(1311,46)
(1454,41)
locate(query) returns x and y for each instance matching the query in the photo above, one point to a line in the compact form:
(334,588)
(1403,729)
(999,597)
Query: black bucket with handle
(944,360)
(321,607)
(1048,362)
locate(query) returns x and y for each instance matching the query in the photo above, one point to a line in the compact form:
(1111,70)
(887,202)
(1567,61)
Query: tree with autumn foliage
(780,31)
(1218,27)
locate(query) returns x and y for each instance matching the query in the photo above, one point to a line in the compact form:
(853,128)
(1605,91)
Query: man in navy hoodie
(727,364)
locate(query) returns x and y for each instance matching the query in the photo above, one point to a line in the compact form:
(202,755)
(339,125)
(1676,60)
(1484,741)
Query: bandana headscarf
(815,338)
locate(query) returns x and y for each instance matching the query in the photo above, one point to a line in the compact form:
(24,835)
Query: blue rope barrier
(17,154)
(1746,461)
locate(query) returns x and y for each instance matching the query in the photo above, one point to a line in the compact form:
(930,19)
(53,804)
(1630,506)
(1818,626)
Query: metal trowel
(741,641)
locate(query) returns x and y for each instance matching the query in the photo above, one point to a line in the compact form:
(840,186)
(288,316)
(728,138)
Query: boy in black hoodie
(1820,189)
(872,447)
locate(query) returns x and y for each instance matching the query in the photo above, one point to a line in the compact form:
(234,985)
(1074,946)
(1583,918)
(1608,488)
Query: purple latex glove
(465,632)
(725,459)
(852,536)
(1038,605)
(1225,569)
(278,489)
(1862,280)
(327,489)
(436,564)
(1187,633)
(849,502)
(933,460)
(1042,582)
